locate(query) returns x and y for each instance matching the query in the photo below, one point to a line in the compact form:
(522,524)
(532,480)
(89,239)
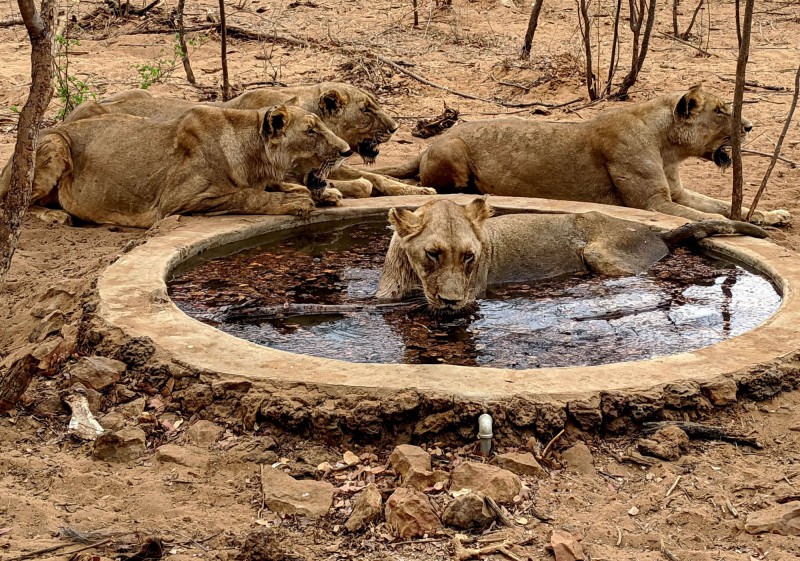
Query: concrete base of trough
(249,383)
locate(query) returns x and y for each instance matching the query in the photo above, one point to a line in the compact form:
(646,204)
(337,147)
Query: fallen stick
(688,44)
(701,431)
(498,512)
(781,158)
(46,550)
(754,84)
(9,22)
(550,444)
(463,554)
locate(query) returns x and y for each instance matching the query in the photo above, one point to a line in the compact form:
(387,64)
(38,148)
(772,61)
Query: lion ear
(405,222)
(331,102)
(689,103)
(293,101)
(275,121)
(479,210)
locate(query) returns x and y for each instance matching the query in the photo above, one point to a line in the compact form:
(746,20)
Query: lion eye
(720,111)
(469,257)
(311,132)
(432,255)
(367,109)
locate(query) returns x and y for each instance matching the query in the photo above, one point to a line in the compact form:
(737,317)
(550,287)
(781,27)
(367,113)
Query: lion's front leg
(380,183)
(230,200)
(703,203)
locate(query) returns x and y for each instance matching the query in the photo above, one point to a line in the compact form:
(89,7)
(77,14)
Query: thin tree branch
(778,146)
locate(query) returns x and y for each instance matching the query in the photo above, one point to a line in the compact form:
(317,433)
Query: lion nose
(449,302)
(346,153)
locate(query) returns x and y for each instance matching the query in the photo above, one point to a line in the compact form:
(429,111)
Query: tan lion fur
(452,253)
(627,157)
(351,113)
(131,171)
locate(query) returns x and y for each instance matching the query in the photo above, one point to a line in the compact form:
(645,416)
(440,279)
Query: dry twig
(778,146)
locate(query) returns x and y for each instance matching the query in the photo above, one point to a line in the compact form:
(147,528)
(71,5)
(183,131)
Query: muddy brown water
(269,295)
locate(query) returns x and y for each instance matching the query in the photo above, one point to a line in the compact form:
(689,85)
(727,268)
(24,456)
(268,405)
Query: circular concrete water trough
(309,393)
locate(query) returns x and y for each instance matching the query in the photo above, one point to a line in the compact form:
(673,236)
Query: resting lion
(627,157)
(351,113)
(453,253)
(120,169)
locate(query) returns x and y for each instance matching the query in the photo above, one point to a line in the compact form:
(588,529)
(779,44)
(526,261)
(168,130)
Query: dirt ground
(206,507)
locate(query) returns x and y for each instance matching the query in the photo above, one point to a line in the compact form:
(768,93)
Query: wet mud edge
(332,411)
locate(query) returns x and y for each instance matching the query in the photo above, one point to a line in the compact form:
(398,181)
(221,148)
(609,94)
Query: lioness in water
(120,169)
(453,253)
(627,157)
(351,113)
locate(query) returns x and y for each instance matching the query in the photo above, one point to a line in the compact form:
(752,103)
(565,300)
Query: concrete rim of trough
(133,298)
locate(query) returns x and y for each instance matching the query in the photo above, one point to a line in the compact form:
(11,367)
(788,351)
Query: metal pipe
(485,433)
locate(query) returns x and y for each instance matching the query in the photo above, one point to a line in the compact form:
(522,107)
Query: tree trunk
(226,86)
(532,24)
(16,201)
(182,41)
(738,97)
(641,42)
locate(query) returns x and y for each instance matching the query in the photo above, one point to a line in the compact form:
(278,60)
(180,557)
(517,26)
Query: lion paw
(427,191)
(778,217)
(52,216)
(297,204)
(328,196)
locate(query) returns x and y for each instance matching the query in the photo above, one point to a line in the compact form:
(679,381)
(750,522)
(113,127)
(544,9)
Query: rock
(96,372)
(132,409)
(668,443)
(414,466)
(779,519)
(497,483)
(82,423)
(579,459)
(421,480)
(409,514)
(182,455)
(467,512)
(521,463)
(720,392)
(367,507)
(94,397)
(50,324)
(121,446)
(112,421)
(196,397)
(406,456)
(137,351)
(267,544)
(565,545)
(286,495)
(204,433)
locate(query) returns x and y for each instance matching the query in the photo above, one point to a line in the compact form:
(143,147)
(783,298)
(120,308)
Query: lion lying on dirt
(453,253)
(351,113)
(627,157)
(120,169)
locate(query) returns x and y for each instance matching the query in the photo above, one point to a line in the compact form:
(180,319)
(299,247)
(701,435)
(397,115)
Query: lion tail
(407,170)
(696,231)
